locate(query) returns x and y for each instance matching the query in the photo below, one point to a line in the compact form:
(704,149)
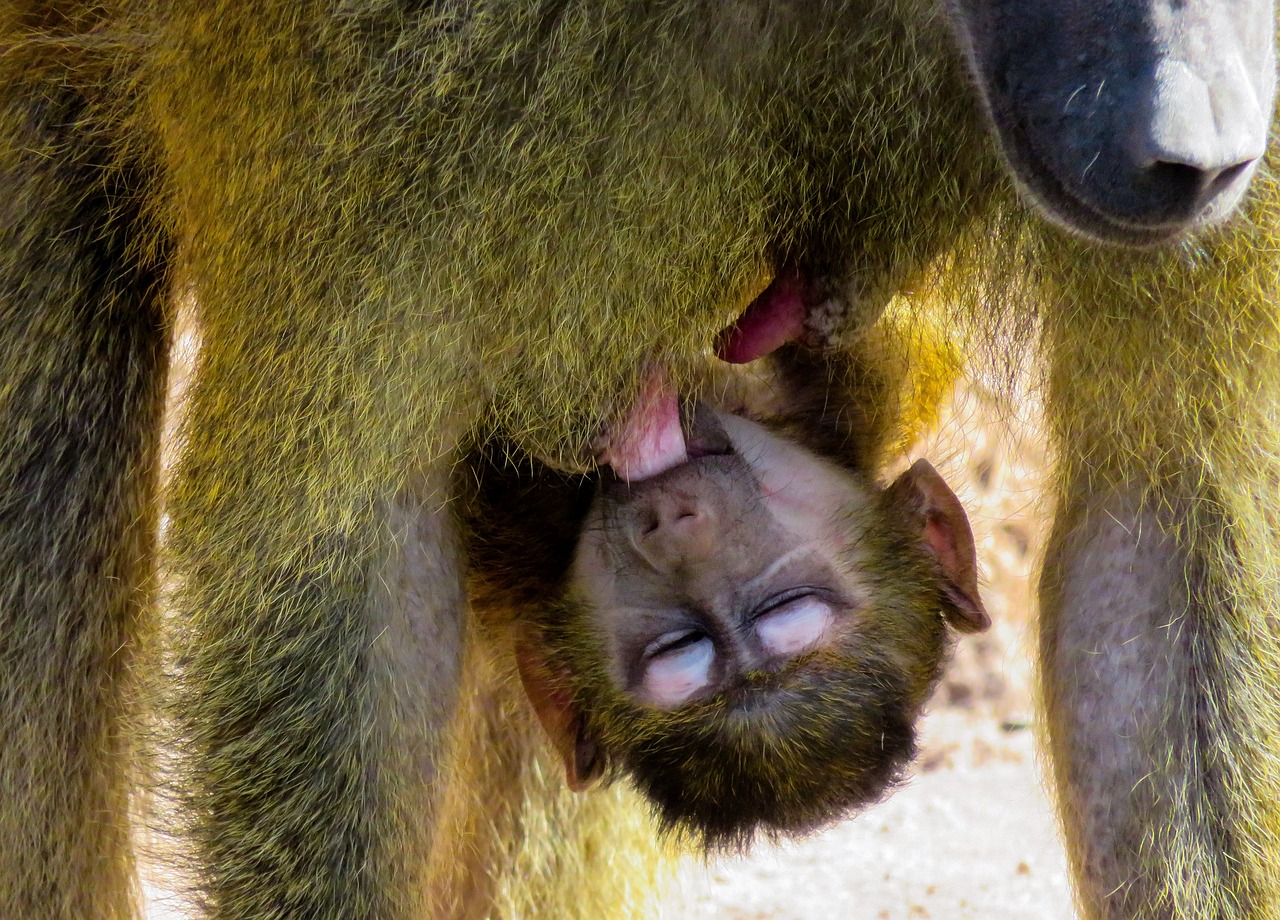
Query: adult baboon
(406,222)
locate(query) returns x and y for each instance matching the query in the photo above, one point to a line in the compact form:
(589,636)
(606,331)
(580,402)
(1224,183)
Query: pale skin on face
(739,559)
(719,568)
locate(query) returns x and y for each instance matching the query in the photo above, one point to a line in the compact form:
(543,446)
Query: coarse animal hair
(787,752)
(409,226)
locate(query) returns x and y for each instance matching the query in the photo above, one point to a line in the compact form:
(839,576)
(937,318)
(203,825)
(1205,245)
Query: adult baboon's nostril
(1176,178)
(1195,186)
(1206,129)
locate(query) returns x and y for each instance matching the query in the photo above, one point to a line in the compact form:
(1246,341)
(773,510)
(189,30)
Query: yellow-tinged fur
(921,363)
(513,836)
(409,224)
(1141,399)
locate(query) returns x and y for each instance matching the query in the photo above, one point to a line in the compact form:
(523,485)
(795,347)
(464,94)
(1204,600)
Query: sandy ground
(971,838)
(972,833)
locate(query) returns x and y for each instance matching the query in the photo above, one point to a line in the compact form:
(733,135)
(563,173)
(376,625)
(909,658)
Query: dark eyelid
(683,636)
(782,598)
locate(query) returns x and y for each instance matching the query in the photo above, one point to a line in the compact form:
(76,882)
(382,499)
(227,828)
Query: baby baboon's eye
(677,665)
(796,625)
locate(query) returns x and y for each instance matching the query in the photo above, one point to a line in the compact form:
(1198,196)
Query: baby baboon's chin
(776,771)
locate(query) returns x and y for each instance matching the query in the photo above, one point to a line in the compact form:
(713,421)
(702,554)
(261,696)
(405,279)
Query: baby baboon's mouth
(649,440)
(703,434)
(706,447)
(697,452)
(658,434)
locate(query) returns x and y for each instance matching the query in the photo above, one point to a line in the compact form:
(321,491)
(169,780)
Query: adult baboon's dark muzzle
(1131,121)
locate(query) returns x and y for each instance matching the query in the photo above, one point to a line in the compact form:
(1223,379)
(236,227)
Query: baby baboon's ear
(945,532)
(551,695)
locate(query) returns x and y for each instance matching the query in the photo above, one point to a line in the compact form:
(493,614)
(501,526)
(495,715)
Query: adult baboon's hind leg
(82,374)
(1160,642)
(317,593)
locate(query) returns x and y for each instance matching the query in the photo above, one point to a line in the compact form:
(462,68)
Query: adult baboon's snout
(1208,124)
(1131,121)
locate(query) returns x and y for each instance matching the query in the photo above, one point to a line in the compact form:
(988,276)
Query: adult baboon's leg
(1159,631)
(319,666)
(82,373)
(317,597)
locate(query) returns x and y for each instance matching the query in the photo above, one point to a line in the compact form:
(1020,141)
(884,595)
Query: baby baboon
(750,628)
(405,222)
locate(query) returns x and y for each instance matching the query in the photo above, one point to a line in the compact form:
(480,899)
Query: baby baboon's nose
(674,527)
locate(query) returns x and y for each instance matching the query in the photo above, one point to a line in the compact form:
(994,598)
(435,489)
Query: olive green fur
(859,407)
(838,730)
(1163,373)
(505,827)
(404,226)
(83,346)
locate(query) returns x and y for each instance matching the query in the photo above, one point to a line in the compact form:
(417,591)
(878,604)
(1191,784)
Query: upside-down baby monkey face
(733,564)
(750,631)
